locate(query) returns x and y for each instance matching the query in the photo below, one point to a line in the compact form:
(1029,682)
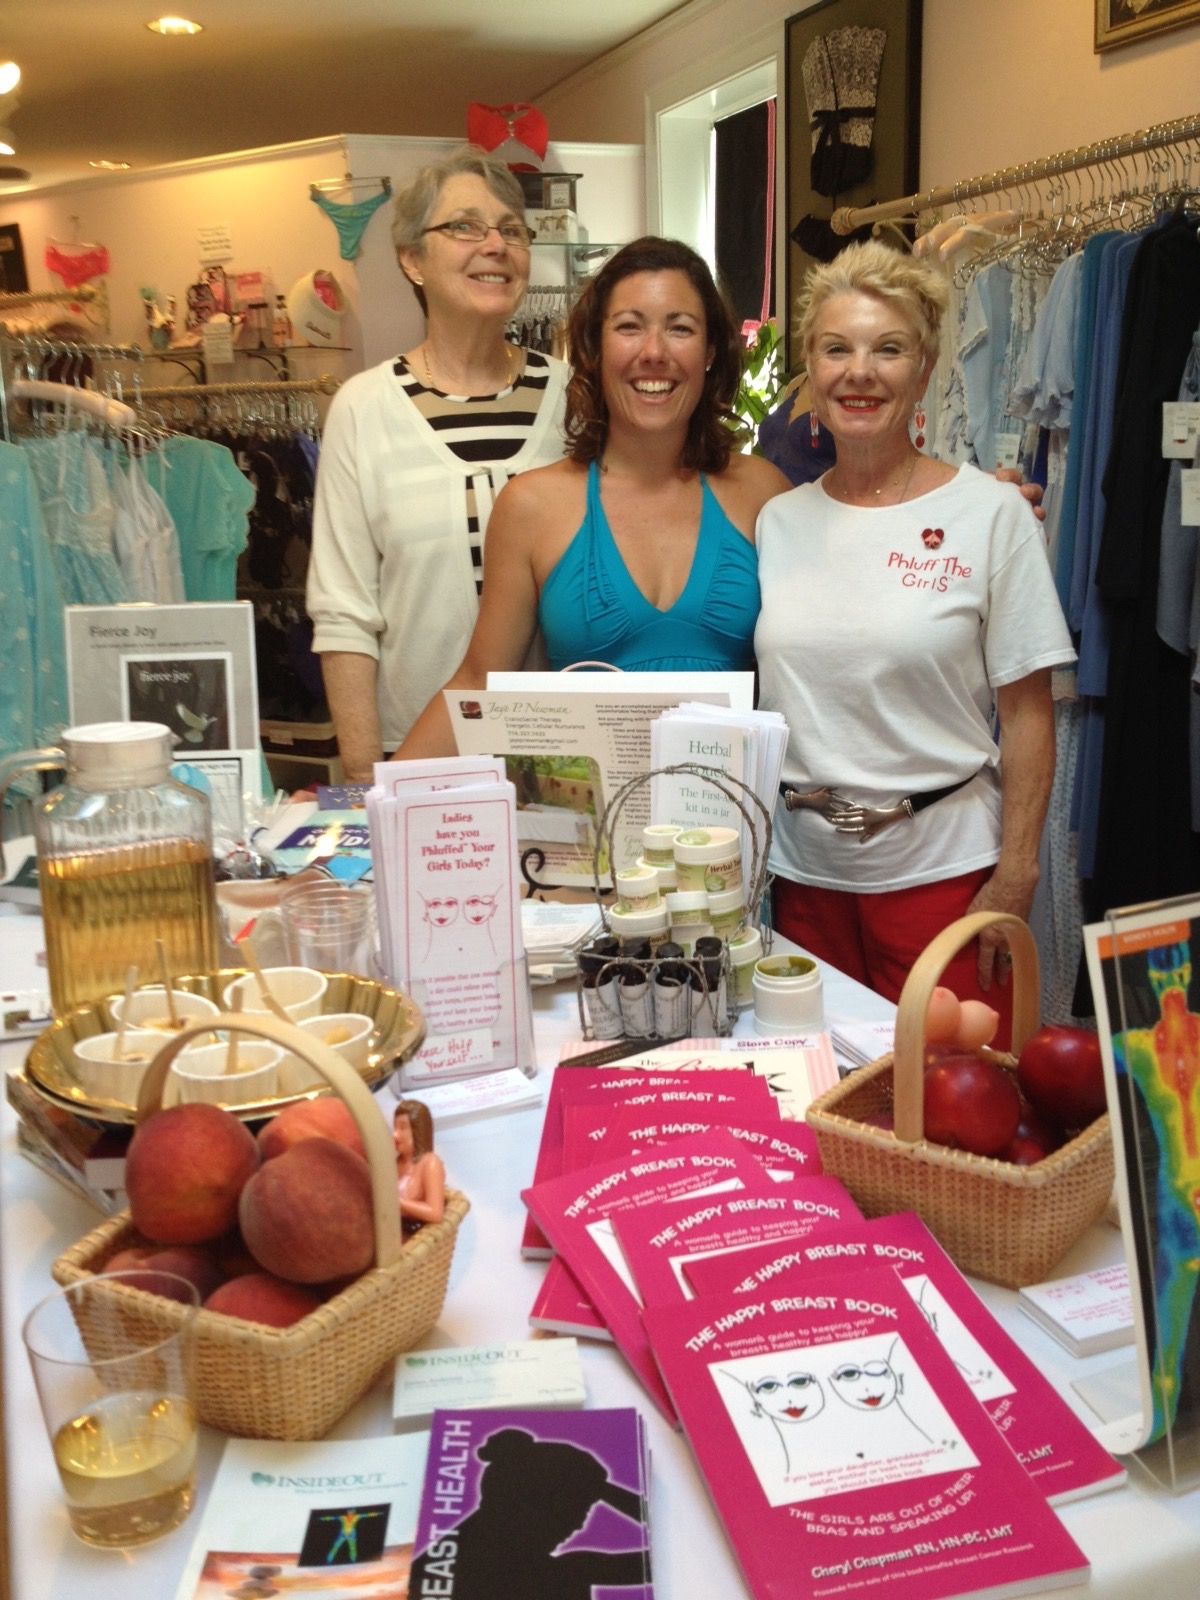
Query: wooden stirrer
(131,978)
(172,1014)
(269,1000)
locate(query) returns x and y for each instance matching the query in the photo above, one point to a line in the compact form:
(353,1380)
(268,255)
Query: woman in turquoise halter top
(637,550)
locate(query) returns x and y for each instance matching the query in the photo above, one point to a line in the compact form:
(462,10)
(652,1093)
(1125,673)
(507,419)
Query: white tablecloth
(1140,1540)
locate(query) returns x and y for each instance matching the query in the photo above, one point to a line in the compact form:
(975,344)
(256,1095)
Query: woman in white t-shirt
(905,605)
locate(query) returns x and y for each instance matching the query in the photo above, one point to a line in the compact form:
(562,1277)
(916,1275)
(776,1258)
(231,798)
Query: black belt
(865,821)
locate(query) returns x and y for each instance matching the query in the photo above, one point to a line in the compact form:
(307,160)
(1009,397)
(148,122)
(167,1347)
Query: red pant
(877,937)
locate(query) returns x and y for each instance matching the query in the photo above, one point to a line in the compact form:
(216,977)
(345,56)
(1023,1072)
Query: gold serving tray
(399,1034)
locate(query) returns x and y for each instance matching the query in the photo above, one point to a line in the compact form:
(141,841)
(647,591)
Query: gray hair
(875,268)
(414,204)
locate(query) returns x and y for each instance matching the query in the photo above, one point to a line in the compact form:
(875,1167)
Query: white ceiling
(97,84)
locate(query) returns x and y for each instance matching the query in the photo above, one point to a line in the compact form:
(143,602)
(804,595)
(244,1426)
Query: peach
(185,1171)
(262,1297)
(131,1259)
(307,1216)
(186,1261)
(325,1118)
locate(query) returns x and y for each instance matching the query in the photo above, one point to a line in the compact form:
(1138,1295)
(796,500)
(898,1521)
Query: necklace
(508,364)
(883,488)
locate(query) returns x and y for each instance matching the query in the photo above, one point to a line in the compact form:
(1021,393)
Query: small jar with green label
(689,917)
(727,913)
(651,923)
(708,859)
(637,888)
(657,842)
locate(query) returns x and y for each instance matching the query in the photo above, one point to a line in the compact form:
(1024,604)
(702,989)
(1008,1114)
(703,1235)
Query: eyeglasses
(467,230)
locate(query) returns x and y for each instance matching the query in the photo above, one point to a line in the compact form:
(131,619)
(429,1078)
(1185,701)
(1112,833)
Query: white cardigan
(390,574)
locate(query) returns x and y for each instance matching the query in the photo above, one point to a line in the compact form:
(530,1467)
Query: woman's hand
(999,894)
(1032,492)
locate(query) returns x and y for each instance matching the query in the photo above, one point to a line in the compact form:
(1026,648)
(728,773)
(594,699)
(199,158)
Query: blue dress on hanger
(33,698)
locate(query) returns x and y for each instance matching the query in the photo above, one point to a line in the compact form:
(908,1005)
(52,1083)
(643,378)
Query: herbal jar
(637,888)
(709,859)
(689,917)
(745,949)
(657,842)
(787,995)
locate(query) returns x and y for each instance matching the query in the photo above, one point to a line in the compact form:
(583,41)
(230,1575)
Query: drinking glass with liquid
(115,1382)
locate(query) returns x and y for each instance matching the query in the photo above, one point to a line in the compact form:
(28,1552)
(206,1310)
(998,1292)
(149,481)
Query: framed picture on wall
(1121,22)
(852,91)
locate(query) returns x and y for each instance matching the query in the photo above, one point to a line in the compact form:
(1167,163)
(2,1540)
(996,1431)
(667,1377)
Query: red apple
(1061,1071)
(971,1104)
(1033,1141)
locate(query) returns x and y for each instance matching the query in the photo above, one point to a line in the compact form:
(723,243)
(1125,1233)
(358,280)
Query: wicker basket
(294,1383)
(1008,1224)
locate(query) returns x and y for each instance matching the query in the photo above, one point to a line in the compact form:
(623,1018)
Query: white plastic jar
(658,840)
(650,922)
(708,859)
(689,917)
(727,913)
(637,888)
(745,949)
(787,995)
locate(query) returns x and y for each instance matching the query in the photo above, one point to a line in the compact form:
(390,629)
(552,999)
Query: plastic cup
(330,926)
(116,1391)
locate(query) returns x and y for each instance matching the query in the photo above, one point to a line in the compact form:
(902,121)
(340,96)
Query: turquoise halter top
(590,609)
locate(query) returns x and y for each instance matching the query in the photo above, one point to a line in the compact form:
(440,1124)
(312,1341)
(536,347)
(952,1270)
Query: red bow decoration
(931,538)
(491,126)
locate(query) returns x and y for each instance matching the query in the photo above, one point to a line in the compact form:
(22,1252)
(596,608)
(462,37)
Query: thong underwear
(350,219)
(78,268)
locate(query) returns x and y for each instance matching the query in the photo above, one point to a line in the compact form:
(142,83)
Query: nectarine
(184,1172)
(306,1215)
(325,1118)
(261,1297)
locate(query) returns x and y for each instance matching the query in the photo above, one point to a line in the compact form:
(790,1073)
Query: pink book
(1049,1440)
(845,1455)
(661,1250)
(786,1149)
(573,1084)
(561,1306)
(575,1211)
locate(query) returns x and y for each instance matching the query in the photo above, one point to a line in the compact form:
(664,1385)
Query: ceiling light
(10,76)
(8,145)
(173,26)
(110,166)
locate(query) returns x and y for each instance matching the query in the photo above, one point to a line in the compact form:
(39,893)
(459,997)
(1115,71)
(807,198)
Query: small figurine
(420,1172)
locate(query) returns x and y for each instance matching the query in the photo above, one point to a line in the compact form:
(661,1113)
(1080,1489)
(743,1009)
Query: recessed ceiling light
(110,166)
(7,142)
(174,26)
(10,76)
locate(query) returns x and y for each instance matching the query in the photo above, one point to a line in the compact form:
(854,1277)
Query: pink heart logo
(931,538)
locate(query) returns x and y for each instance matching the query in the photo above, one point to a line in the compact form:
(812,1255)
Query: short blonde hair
(874,268)
(416,201)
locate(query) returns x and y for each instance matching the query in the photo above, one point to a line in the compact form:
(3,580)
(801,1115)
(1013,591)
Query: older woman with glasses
(416,450)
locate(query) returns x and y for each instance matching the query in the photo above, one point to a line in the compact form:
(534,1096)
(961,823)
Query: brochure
(662,1251)
(1148,1012)
(533,1373)
(1051,1443)
(569,1086)
(534,1504)
(450,927)
(570,742)
(191,667)
(1087,1313)
(334,1517)
(576,1210)
(843,1452)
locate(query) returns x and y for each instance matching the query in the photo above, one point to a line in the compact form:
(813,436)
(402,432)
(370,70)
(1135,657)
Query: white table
(1140,1540)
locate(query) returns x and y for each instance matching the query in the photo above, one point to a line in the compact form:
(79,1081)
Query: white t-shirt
(882,635)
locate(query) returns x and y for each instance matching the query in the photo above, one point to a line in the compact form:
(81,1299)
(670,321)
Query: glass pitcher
(124,858)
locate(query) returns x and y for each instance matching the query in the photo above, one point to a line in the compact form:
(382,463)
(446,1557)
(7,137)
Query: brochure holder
(1144,963)
(470,1053)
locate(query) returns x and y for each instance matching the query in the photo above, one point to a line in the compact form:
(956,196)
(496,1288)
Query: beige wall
(1003,80)
(1006,81)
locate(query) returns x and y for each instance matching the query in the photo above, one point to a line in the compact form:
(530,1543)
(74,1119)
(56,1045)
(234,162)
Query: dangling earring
(814,430)
(919,425)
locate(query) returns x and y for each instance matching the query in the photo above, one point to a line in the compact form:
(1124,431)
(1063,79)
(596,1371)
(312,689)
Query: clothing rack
(847,218)
(325,384)
(50,297)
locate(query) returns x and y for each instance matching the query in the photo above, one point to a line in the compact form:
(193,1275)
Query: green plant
(763,378)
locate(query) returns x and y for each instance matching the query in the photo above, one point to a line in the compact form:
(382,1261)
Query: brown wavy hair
(421,1123)
(710,429)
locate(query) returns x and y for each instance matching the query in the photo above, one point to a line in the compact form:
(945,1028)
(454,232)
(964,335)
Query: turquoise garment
(33,693)
(210,501)
(590,609)
(78,511)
